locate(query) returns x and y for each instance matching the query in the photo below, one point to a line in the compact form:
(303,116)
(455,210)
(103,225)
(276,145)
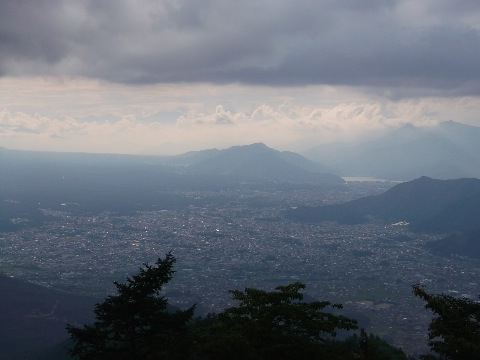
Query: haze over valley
(247,216)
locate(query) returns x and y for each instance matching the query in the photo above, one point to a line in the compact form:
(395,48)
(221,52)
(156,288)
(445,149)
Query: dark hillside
(427,204)
(457,244)
(34,317)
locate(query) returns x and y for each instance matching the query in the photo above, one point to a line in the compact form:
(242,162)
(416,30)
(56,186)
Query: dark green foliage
(455,331)
(379,349)
(351,348)
(215,340)
(135,323)
(271,325)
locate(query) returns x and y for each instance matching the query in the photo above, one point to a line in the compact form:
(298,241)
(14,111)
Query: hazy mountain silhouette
(447,151)
(427,204)
(79,182)
(255,162)
(87,182)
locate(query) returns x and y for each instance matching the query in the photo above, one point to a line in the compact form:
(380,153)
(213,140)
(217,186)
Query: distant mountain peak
(255,162)
(258,145)
(255,146)
(448,122)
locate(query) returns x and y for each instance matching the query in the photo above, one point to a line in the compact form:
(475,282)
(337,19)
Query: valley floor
(242,243)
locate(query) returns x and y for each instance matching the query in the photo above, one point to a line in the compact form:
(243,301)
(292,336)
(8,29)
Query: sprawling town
(247,242)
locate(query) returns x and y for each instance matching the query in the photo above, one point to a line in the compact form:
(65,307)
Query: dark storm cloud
(385,43)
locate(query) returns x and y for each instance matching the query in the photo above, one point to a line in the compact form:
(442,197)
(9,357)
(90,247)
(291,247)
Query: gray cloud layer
(429,44)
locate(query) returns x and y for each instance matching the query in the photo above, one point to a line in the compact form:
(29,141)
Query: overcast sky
(167,76)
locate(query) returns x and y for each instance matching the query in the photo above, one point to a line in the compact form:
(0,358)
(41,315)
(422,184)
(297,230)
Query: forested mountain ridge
(463,244)
(426,204)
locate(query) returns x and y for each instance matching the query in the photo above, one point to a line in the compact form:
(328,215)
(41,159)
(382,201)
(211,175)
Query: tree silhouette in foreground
(455,331)
(353,348)
(135,323)
(272,325)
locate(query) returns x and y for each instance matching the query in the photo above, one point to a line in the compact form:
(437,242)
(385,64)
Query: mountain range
(79,182)
(255,162)
(426,204)
(449,150)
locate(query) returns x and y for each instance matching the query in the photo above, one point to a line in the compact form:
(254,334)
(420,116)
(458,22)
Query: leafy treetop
(455,331)
(135,323)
